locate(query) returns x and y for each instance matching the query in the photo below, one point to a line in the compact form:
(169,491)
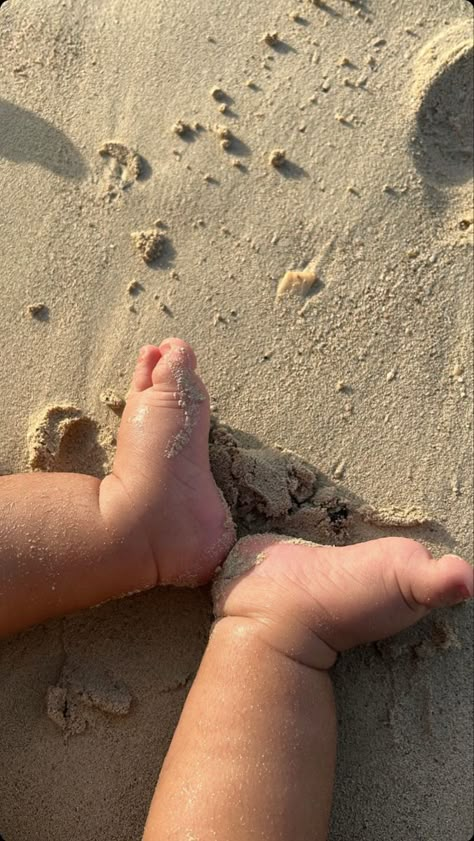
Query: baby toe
(146,362)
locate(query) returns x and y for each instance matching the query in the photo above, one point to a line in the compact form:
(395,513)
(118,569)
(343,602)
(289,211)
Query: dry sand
(365,372)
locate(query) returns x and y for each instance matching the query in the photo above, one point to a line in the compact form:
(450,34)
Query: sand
(365,374)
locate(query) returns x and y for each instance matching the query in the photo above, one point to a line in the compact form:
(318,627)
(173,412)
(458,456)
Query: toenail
(462,593)
(165,348)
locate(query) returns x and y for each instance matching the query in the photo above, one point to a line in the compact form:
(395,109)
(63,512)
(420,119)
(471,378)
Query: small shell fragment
(296,283)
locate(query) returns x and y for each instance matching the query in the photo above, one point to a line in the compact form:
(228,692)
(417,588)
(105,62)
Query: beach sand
(162,167)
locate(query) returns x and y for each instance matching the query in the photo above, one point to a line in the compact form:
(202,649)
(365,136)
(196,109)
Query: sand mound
(271,489)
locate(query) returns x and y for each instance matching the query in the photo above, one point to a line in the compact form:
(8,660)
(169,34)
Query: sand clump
(37,310)
(218,94)
(181,128)
(149,244)
(277,158)
(127,159)
(113,400)
(272,489)
(266,488)
(134,287)
(271,38)
(225,136)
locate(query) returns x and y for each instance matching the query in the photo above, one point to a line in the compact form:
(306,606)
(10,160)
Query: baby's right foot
(313,601)
(161,493)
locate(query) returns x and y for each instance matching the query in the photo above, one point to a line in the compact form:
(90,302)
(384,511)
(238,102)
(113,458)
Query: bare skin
(69,541)
(253,755)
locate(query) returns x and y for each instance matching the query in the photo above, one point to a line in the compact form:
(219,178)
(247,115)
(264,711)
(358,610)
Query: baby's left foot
(312,601)
(161,493)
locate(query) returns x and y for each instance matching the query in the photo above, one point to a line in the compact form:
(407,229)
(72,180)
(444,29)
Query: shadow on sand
(27,138)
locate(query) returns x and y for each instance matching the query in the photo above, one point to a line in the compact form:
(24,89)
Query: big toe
(175,356)
(177,385)
(443,583)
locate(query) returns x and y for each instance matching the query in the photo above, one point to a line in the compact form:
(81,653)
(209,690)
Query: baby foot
(313,601)
(161,490)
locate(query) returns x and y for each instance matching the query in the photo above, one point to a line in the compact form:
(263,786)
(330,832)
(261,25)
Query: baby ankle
(286,636)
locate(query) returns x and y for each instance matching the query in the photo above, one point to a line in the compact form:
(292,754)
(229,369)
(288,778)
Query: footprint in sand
(63,439)
(442,141)
(124,167)
(81,694)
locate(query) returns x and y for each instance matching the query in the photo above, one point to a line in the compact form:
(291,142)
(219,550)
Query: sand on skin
(373,197)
